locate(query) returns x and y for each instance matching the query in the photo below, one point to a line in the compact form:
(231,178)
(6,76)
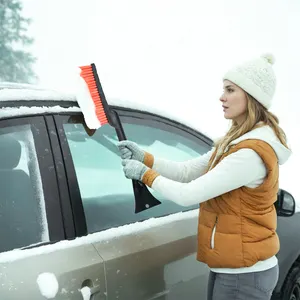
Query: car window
(22,210)
(107,196)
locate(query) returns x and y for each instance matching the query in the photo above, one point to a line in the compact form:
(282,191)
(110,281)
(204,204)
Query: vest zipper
(212,242)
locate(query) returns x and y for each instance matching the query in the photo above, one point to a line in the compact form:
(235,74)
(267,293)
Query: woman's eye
(230,90)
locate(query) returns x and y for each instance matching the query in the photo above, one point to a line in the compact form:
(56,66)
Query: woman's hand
(130,150)
(134,169)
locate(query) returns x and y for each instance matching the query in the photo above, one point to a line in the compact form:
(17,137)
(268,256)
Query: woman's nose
(222,98)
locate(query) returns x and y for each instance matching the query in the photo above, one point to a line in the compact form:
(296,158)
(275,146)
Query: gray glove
(134,169)
(130,150)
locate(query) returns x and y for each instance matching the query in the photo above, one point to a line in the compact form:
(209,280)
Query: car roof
(18,99)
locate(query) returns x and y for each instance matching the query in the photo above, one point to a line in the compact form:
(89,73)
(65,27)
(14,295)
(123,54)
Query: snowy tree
(15,62)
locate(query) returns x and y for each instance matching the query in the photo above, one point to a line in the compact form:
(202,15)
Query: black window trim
(122,112)
(48,176)
(62,182)
(73,186)
(74,191)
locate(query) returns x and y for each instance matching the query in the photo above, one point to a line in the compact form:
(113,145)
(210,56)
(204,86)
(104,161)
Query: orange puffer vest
(242,222)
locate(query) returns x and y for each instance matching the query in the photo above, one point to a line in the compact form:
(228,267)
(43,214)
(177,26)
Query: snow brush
(97,113)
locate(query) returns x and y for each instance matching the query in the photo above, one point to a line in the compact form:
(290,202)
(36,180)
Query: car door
(36,262)
(152,254)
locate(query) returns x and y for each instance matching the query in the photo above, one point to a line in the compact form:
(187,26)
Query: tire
(291,287)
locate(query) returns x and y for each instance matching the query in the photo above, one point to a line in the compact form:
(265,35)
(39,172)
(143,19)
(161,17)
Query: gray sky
(168,51)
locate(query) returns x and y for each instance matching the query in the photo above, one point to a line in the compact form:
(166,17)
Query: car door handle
(88,292)
(95,289)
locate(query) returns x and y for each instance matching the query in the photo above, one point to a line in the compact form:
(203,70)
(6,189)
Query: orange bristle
(89,77)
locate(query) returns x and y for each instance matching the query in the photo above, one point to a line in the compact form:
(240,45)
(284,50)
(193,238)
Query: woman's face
(234,102)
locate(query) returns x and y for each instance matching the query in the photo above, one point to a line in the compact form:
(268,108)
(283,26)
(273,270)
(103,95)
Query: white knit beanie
(256,77)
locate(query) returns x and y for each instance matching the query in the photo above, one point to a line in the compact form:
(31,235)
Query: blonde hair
(256,113)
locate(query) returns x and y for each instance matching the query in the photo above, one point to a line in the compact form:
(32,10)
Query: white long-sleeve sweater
(185,184)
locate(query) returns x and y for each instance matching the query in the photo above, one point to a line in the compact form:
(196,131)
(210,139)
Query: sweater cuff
(149,176)
(148,159)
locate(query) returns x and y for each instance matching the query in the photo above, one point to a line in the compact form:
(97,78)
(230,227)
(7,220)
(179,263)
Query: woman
(236,184)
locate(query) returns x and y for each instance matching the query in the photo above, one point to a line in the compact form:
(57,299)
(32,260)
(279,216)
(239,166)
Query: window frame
(75,196)
(131,113)
(48,177)
(78,216)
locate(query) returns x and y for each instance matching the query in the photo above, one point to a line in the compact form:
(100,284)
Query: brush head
(88,98)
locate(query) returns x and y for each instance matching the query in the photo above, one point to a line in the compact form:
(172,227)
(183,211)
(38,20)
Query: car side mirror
(285,204)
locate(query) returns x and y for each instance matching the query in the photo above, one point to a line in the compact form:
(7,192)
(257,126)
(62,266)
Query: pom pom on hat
(269,57)
(256,77)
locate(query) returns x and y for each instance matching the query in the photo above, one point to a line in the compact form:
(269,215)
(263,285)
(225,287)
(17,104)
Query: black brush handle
(143,198)
(117,125)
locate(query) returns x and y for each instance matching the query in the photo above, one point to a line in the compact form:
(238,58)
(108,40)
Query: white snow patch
(16,85)
(103,236)
(36,176)
(48,285)
(33,93)
(7,112)
(86,293)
